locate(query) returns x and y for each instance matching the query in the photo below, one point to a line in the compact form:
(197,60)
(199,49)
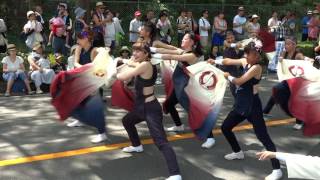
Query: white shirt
(134,26)
(272,22)
(12,66)
(203,22)
(238,20)
(110,33)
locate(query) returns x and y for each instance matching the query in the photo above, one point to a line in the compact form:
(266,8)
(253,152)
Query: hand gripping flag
(70,88)
(304,84)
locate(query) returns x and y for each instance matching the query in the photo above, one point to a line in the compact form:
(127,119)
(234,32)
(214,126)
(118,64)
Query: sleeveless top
(85,56)
(293,56)
(139,84)
(244,95)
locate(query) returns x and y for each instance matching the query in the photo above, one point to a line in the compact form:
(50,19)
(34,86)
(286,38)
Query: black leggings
(172,101)
(281,96)
(153,116)
(259,126)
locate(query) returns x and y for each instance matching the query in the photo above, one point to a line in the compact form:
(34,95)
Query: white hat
(309,12)
(64,5)
(241,8)
(79,12)
(99,4)
(29,13)
(254,16)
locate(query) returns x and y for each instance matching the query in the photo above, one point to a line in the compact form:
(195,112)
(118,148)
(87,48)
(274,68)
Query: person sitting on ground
(124,55)
(14,69)
(40,68)
(59,64)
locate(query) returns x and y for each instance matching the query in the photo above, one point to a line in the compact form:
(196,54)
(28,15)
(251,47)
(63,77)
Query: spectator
(80,23)
(215,53)
(38,11)
(182,26)
(110,31)
(120,33)
(3,40)
(135,25)
(58,34)
(40,68)
(292,24)
(239,22)
(273,22)
(253,26)
(219,30)
(204,27)
(150,17)
(192,23)
(99,23)
(304,24)
(71,58)
(69,25)
(32,30)
(164,28)
(59,64)
(13,69)
(124,55)
(313,26)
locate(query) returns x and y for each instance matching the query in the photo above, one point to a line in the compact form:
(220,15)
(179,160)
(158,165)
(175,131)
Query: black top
(85,56)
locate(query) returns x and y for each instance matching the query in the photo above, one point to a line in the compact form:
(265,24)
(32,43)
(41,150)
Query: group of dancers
(146,107)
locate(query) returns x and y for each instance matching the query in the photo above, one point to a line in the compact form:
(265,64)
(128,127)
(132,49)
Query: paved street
(29,127)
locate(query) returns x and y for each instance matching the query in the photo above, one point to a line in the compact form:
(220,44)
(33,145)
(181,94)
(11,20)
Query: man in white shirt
(204,27)
(273,22)
(239,22)
(135,25)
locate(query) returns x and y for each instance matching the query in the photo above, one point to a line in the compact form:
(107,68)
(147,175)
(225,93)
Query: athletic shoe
(7,94)
(175,177)
(132,149)
(298,126)
(209,143)
(75,123)
(233,156)
(275,175)
(39,92)
(176,128)
(99,138)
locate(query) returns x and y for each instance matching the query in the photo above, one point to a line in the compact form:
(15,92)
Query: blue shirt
(305,21)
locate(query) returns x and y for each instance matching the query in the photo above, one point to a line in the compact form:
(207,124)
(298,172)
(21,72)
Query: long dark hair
(197,48)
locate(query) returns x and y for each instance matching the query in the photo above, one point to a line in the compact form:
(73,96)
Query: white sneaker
(39,92)
(298,126)
(233,156)
(175,177)
(99,138)
(176,128)
(209,143)
(75,123)
(275,175)
(132,149)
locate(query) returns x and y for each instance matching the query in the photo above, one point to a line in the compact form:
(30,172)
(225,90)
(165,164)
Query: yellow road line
(105,148)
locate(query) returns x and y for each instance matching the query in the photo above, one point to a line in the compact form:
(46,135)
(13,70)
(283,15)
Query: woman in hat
(32,30)
(80,23)
(124,55)
(13,69)
(99,21)
(253,27)
(41,73)
(247,106)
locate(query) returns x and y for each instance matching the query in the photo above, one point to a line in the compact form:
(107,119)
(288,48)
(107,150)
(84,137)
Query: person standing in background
(239,22)
(135,25)
(304,23)
(182,25)
(204,27)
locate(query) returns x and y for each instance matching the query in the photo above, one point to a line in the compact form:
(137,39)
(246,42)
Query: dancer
(281,92)
(146,107)
(247,106)
(90,110)
(189,54)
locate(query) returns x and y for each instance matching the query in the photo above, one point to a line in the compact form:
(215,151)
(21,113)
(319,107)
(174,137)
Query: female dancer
(189,54)
(91,110)
(281,92)
(247,106)
(146,107)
